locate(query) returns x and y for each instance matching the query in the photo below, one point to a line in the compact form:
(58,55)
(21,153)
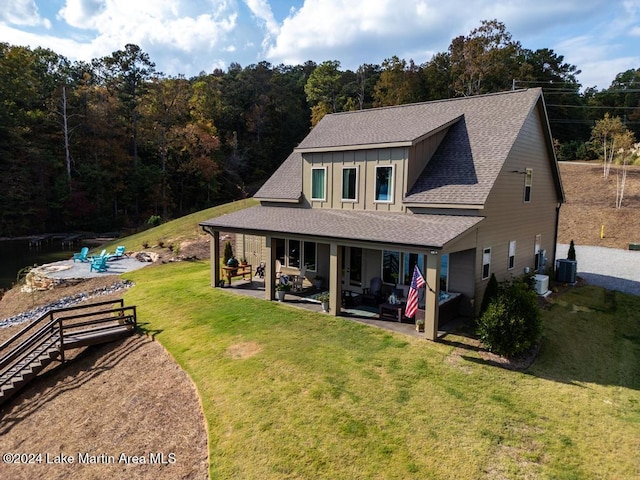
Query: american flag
(412,300)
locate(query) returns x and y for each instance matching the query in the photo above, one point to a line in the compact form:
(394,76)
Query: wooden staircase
(45,340)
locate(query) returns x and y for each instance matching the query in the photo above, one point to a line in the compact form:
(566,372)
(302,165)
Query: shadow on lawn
(586,339)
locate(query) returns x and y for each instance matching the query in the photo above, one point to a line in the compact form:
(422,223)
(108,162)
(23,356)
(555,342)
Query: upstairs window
(384,184)
(528,183)
(486,263)
(319,183)
(512,254)
(349,184)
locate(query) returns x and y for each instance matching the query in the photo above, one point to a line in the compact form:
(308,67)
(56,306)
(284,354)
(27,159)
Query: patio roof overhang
(363,226)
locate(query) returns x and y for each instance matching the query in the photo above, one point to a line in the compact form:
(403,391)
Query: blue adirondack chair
(99,264)
(82,255)
(118,253)
(95,257)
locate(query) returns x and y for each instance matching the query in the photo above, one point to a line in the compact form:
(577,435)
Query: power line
(593,106)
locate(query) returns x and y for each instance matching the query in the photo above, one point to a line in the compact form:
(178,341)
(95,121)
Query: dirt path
(127,397)
(109,404)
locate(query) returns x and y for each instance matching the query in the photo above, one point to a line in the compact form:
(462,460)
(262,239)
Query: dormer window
(319,183)
(528,183)
(349,184)
(384,184)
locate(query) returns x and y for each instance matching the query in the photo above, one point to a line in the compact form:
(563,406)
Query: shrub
(490,293)
(154,220)
(571,255)
(228,252)
(511,324)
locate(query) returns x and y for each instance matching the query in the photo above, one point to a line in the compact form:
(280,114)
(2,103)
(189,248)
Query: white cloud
(188,36)
(82,13)
(585,32)
(166,29)
(262,10)
(21,12)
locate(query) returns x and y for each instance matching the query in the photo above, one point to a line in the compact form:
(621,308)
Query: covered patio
(332,234)
(255,288)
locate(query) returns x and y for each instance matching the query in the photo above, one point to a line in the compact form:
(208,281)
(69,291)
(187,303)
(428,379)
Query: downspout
(555,235)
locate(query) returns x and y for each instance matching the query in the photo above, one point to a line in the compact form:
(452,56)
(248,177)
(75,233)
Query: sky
(600,37)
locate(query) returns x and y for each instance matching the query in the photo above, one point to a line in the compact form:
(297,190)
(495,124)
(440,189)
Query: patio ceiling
(411,230)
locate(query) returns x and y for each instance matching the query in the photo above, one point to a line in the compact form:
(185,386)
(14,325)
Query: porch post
(335,280)
(432,295)
(270,270)
(215,257)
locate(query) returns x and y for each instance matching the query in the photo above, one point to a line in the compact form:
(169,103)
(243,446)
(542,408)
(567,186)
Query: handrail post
(61,330)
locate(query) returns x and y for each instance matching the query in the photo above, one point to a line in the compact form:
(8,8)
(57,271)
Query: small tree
(571,255)
(228,252)
(512,323)
(604,133)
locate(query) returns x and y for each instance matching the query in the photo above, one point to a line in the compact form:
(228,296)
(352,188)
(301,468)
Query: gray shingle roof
(465,167)
(402,124)
(462,171)
(370,226)
(286,182)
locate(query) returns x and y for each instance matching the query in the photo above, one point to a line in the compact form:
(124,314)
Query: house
(462,187)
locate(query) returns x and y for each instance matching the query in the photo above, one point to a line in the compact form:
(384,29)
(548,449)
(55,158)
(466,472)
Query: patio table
(391,310)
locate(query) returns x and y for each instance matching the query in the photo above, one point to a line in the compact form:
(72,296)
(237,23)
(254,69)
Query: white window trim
(486,254)
(511,255)
(528,184)
(392,183)
(350,200)
(324,198)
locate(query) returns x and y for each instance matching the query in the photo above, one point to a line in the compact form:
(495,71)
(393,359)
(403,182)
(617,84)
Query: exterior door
(351,267)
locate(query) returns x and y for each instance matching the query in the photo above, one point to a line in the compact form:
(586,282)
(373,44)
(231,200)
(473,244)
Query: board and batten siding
(421,153)
(365,161)
(509,217)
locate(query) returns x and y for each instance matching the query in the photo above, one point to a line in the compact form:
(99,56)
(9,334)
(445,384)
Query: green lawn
(175,231)
(318,397)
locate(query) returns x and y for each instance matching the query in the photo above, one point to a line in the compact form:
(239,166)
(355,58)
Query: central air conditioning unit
(566,271)
(542,284)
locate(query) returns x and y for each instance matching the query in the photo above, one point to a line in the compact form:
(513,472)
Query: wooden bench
(239,271)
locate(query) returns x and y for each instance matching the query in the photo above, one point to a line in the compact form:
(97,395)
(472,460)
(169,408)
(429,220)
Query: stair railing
(27,341)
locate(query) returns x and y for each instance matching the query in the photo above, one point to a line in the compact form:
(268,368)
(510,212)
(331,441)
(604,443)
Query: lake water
(16,254)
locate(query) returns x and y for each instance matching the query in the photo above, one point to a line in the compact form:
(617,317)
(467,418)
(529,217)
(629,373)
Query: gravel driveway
(611,268)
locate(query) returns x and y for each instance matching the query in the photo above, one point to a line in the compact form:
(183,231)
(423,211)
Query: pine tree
(228,252)
(572,251)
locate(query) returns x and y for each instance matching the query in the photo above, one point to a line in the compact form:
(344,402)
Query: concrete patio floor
(67,270)
(255,289)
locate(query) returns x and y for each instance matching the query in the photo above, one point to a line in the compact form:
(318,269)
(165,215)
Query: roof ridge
(431,102)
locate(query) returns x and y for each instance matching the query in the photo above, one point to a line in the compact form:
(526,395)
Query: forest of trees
(104,145)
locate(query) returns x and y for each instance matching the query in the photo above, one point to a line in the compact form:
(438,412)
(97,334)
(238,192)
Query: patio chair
(94,257)
(82,255)
(99,264)
(118,253)
(373,294)
(260,270)
(299,280)
(278,269)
